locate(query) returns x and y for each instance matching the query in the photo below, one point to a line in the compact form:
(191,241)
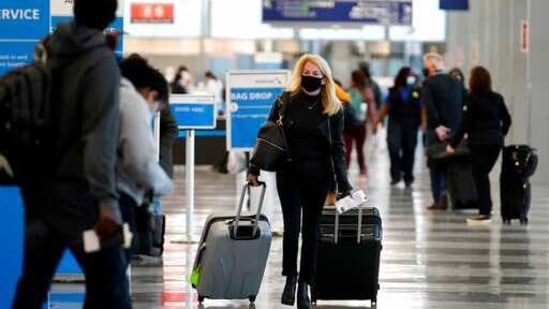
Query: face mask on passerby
(411,80)
(311,83)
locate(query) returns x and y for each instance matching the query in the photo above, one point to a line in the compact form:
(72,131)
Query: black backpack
(26,134)
(519,161)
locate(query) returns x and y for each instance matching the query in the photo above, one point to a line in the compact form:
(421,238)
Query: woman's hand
(374,127)
(253,180)
(450,149)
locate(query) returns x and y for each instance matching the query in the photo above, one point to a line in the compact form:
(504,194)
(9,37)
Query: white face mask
(411,80)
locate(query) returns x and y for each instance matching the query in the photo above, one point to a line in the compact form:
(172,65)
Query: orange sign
(525,36)
(152,13)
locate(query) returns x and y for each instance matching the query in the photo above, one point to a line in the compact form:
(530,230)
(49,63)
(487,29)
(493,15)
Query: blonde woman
(313,123)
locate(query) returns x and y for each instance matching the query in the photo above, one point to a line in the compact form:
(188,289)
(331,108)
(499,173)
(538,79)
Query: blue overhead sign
(396,12)
(251,97)
(194,111)
(454,5)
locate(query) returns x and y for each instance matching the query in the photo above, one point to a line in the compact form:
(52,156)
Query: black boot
(288,294)
(303,301)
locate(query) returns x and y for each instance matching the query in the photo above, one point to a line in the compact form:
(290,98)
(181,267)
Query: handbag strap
(283,101)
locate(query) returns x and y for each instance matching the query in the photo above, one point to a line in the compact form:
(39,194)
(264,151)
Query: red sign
(152,13)
(525,36)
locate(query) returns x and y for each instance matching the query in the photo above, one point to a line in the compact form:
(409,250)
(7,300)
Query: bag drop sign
(252,94)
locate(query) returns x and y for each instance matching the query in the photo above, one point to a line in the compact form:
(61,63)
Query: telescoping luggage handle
(263,186)
(359,228)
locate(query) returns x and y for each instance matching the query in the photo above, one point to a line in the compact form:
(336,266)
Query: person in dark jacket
(313,123)
(179,83)
(486,121)
(81,193)
(442,97)
(458,75)
(168,134)
(403,105)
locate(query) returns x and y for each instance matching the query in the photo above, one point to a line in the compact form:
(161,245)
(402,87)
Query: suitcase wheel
(374,304)
(252,299)
(506,221)
(524,221)
(201,299)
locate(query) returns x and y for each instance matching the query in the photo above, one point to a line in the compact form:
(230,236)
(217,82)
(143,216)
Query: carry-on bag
(519,160)
(518,163)
(232,254)
(515,195)
(461,185)
(348,256)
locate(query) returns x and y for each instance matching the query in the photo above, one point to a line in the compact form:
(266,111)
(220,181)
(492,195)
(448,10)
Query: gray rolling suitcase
(232,255)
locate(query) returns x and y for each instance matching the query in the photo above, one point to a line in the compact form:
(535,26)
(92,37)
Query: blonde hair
(330,101)
(436,59)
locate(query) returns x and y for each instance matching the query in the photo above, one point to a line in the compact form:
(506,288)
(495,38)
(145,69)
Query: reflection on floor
(430,259)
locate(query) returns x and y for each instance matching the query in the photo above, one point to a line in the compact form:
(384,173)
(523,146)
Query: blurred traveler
(81,193)
(313,122)
(138,171)
(181,81)
(149,217)
(459,76)
(363,107)
(442,97)
(364,67)
(214,86)
(403,105)
(486,121)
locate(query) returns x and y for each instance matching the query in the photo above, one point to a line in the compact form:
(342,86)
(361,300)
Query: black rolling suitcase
(518,163)
(461,186)
(348,256)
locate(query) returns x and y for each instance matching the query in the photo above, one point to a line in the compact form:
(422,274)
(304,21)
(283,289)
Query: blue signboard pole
(192,112)
(189,182)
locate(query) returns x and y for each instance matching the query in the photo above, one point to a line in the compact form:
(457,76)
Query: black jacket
(442,96)
(331,128)
(168,134)
(485,119)
(86,92)
(400,109)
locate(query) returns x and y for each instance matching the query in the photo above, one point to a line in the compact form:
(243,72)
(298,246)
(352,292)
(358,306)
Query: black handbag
(271,148)
(437,152)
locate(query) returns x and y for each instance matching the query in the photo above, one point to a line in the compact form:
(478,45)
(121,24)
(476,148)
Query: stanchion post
(189,177)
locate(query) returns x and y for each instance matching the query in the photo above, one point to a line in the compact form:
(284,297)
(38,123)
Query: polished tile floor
(429,260)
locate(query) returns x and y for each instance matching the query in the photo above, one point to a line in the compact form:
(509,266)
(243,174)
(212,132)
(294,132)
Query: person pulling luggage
(313,124)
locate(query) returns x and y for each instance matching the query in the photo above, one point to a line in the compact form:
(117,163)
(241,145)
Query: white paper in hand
(356,199)
(91,241)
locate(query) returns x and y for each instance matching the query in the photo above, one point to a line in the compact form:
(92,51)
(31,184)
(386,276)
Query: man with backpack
(79,191)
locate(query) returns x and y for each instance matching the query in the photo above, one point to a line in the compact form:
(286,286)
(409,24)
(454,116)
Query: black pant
(402,142)
(128,207)
(484,158)
(302,186)
(105,271)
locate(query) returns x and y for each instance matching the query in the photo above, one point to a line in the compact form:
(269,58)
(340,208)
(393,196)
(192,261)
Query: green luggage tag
(195,276)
